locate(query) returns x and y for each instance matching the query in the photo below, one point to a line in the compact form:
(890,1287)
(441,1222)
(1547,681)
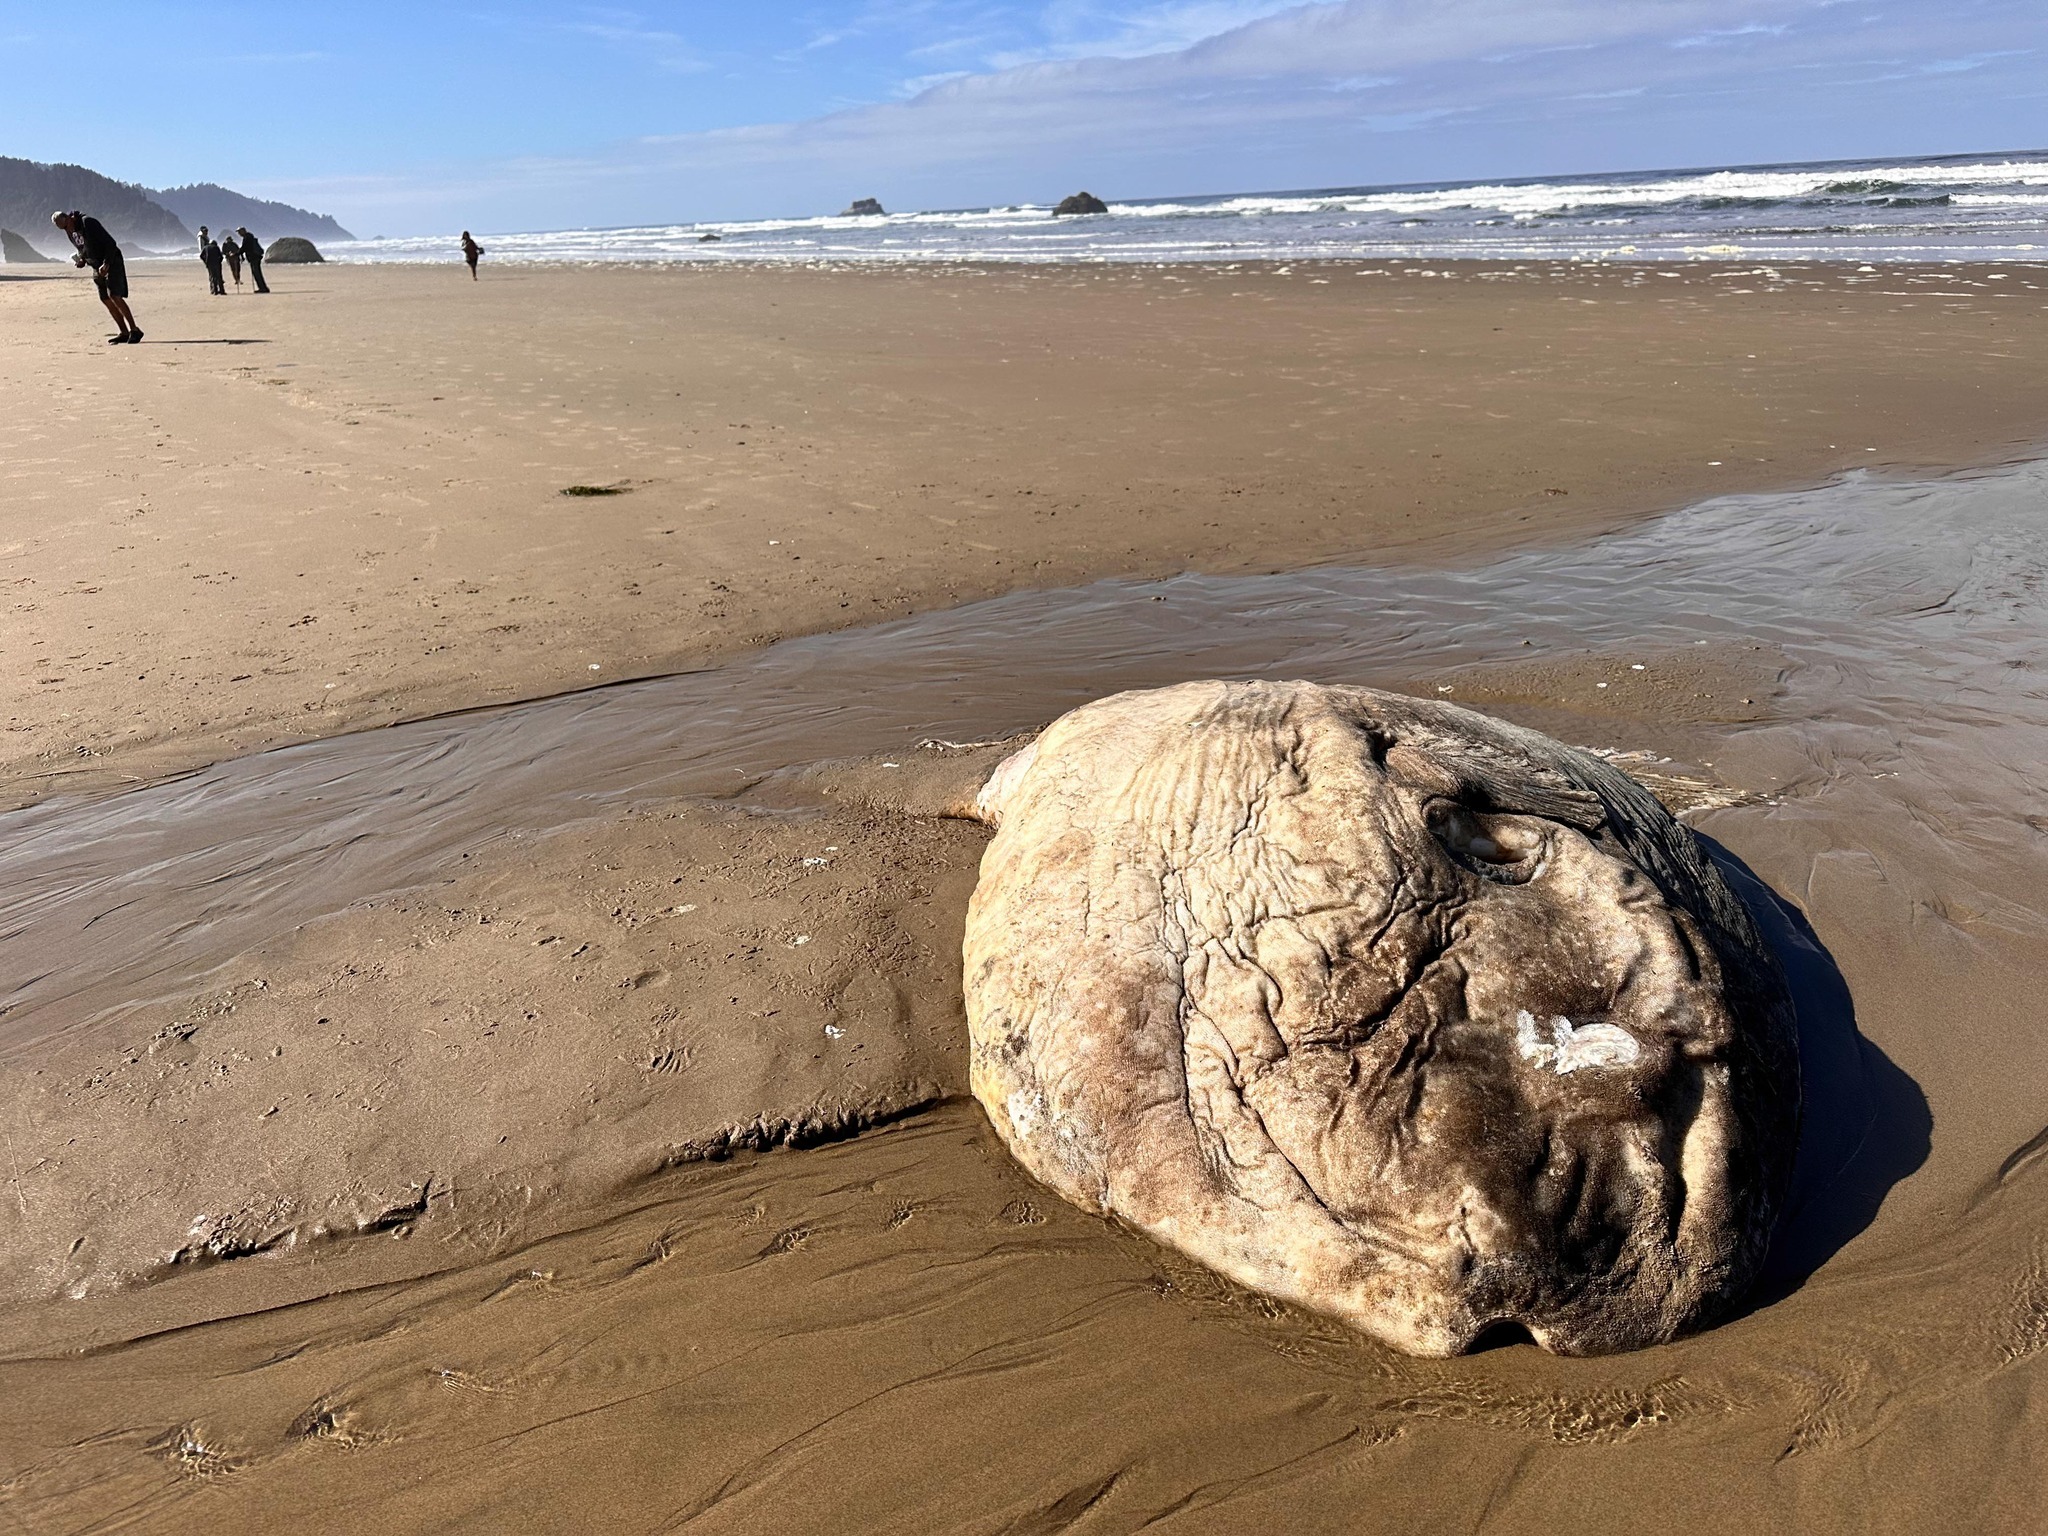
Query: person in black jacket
(252,252)
(232,254)
(209,257)
(97,250)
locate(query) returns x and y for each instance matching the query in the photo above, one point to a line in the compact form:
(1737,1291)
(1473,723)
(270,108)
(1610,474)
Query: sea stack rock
(1384,1008)
(13,248)
(1080,202)
(864,207)
(290,250)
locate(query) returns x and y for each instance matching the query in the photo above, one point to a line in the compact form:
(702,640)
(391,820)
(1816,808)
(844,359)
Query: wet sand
(337,506)
(265,1256)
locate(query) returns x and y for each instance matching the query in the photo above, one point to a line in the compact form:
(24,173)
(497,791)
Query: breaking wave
(1953,208)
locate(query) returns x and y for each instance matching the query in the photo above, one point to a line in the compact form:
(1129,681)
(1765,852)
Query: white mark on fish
(1573,1047)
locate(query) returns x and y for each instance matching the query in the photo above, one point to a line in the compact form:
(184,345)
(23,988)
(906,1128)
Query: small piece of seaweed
(594,490)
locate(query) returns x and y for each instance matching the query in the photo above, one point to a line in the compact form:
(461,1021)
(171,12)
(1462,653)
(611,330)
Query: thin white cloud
(959,45)
(1971,61)
(919,84)
(629,30)
(1520,55)
(1720,35)
(1080,30)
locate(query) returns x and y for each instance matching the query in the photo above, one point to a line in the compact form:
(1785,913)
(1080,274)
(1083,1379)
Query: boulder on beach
(1384,1008)
(1081,202)
(292,250)
(14,248)
(863,207)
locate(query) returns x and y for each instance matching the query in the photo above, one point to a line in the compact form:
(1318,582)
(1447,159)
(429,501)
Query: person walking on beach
(97,250)
(252,252)
(470,251)
(232,253)
(209,257)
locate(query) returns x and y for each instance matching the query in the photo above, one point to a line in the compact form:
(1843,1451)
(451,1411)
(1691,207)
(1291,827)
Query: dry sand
(443,1211)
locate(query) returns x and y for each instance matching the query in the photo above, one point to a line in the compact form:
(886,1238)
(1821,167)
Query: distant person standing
(97,251)
(209,257)
(252,252)
(232,253)
(470,251)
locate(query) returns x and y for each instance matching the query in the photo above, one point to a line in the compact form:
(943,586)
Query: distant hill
(219,208)
(15,249)
(31,191)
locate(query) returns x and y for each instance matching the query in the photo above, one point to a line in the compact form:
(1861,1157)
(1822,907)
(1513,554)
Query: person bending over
(97,250)
(470,251)
(252,252)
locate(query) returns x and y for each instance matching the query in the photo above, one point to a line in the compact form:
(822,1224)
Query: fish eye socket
(1504,848)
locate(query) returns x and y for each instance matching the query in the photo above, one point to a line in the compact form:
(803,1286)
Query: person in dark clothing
(209,257)
(470,251)
(232,253)
(97,250)
(252,252)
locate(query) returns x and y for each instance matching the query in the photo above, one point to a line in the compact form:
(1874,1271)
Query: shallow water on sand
(833,1362)
(1907,615)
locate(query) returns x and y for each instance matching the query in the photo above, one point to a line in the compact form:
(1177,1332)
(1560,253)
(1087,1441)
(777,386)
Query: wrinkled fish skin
(1384,1008)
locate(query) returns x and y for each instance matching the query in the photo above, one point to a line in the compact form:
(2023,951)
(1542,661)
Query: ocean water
(1953,208)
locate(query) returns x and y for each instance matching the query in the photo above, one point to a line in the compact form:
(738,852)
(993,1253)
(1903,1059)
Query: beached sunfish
(1384,1008)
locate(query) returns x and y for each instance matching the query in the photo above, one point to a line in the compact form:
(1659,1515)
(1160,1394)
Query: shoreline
(2034,260)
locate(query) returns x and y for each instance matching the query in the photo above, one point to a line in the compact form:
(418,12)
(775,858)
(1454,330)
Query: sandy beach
(555,1116)
(340,506)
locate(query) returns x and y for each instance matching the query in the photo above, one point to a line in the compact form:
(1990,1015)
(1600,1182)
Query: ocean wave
(1897,210)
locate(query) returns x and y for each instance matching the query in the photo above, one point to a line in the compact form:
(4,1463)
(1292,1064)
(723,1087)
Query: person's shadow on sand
(210,341)
(1866,1123)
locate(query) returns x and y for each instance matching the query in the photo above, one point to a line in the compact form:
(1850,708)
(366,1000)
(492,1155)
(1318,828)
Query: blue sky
(426,117)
